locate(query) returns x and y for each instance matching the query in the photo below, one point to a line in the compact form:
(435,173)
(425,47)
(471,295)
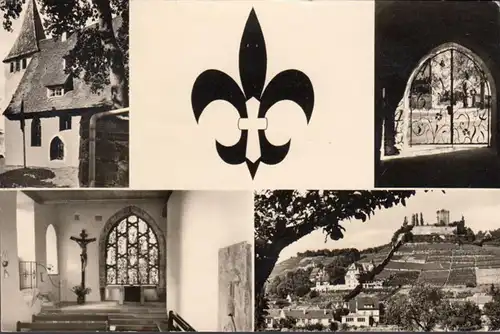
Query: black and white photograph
(436,81)
(377,260)
(64,96)
(129,260)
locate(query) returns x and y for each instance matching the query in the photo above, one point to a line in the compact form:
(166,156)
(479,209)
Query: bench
(177,324)
(61,326)
(69,318)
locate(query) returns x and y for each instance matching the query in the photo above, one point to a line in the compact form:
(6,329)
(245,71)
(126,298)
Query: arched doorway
(132,258)
(56,149)
(448,104)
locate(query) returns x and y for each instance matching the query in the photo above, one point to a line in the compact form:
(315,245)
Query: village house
(302,317)
(351,279)
(363,311)
(46,107)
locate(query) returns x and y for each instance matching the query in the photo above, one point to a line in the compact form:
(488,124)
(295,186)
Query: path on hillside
(449,268)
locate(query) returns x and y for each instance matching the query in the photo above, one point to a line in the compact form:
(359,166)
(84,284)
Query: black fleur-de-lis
(293,85)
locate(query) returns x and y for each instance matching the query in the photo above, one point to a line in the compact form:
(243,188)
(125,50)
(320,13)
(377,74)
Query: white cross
(253,123)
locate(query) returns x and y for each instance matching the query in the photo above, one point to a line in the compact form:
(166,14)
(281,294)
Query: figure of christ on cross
(83,241)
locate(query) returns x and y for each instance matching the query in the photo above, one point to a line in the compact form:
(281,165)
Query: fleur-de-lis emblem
(253,146)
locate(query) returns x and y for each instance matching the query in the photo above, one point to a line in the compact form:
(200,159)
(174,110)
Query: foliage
(262,303)
(333,327)
(295,283)
(79,290)
(331,252)
(313,294)
(100,55)
(314,327)
(419,311)
(288,322)
(492,309)
(462,316)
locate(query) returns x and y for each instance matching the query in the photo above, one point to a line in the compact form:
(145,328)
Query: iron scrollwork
(449,103)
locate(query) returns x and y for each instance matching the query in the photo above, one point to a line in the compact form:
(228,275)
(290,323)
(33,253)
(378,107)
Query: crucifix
(83,241)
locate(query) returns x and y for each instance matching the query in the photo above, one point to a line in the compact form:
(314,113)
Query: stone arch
(116,219)
(404,102)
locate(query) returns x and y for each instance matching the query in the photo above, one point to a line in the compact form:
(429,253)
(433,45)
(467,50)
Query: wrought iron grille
(449,102)
(132,254)
(27,275)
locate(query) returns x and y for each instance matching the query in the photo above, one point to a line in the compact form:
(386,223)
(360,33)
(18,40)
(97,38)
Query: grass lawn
(19,177)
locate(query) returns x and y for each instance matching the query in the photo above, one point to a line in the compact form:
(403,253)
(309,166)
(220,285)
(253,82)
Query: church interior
(126,260)
(453,141)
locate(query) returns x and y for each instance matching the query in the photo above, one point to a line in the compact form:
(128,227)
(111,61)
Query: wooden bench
(177,324)
(61,326)
(69,318)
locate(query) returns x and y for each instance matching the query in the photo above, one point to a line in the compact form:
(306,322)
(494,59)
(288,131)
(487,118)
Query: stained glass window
(132,256)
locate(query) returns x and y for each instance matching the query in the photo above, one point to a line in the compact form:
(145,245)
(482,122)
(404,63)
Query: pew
(61,326)
(177,324)
(69,318)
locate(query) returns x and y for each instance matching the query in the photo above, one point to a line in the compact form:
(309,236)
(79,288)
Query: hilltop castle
(441,227)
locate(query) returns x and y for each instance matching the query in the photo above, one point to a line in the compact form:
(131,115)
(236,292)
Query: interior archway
(448,104)
(132,257)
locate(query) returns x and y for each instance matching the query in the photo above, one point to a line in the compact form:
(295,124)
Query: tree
(421,219)
(419,310)
(313,294)
(285,216)
(100,55)
(405,221)
(492,310)
(288,322)
(414,221)
(462,317)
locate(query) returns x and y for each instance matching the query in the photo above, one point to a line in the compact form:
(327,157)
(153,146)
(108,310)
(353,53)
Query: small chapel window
(36,133)
(65,123)
(11,67)
(55,91)
(25,63)
(18,65)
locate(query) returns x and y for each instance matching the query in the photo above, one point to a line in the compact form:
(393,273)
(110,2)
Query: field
(443,264)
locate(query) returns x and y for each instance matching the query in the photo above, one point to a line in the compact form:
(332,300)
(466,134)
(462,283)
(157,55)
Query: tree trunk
(264,267)
(117,73)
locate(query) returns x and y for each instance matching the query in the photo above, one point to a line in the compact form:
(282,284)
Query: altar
(131,293)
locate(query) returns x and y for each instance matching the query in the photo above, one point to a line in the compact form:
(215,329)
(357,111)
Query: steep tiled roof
(46,69)
(363,303)
(30,34)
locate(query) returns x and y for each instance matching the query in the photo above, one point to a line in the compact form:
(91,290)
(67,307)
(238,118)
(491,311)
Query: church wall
(69,251)
(199,224)
(40,156)
(427,230)
(16,305)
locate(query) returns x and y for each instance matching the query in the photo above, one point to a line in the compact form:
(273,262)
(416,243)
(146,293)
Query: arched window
(56,149)
(51,250)
(132,253)
(36,133)
(447,102)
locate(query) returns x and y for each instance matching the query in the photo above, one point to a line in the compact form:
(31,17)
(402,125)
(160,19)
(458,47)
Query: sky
(480,208)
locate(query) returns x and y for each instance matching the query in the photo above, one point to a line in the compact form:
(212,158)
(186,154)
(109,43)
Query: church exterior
(51,105)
